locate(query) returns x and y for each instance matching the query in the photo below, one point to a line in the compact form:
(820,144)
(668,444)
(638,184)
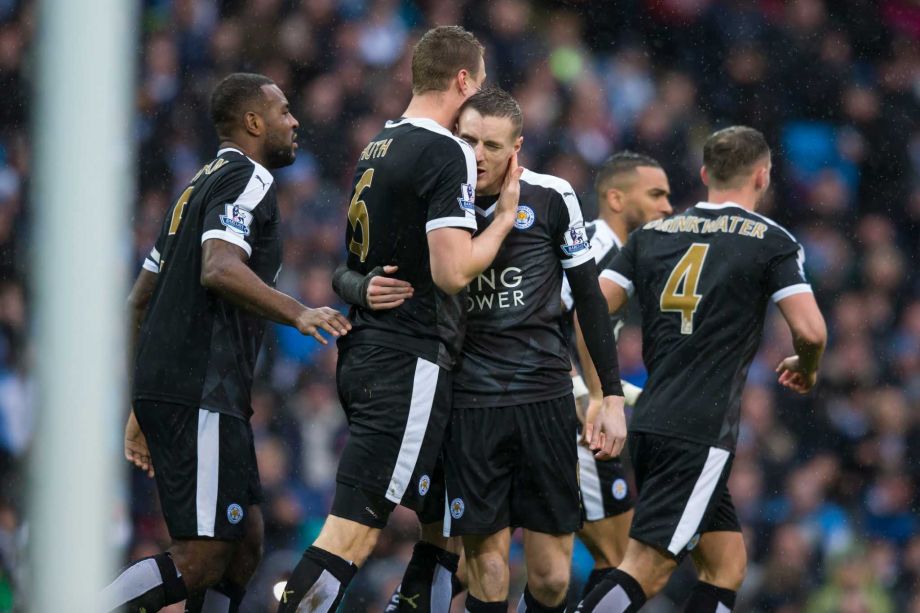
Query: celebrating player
(412,208)
(703,280)
(632,190)
(510,457)
(203,296)
(509,454)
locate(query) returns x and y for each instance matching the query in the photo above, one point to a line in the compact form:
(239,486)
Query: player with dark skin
(267,134)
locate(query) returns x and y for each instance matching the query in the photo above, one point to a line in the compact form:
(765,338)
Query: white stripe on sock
(137,579)
(616,601)
(442,590)
(722,609)
(215,602)
(321,595)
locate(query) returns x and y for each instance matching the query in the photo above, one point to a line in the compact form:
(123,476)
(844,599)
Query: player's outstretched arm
(809,337)
(224,272)
(456,257)
(376,290)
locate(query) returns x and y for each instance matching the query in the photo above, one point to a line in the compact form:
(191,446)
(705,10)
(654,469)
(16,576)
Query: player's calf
(721,564)
(487,571)
(226,595)
(549,560)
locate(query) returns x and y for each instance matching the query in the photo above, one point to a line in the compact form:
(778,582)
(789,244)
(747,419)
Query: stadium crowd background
(827,486)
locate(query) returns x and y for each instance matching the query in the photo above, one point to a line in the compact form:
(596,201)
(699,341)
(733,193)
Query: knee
(549,583)
(200,567)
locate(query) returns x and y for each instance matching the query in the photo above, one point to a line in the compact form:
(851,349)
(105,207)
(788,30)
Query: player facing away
(412,208)
(632,190)
(510,457)
(199,307)
(703,279)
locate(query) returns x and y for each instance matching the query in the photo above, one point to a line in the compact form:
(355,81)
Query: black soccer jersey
(703,279)
(414,177)
(515,351)
(194,347)
(605,245)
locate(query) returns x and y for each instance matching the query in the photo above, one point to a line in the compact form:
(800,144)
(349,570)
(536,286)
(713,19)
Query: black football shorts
(605,488)
(513,467)
(206,471)
(397,407)
(682,492)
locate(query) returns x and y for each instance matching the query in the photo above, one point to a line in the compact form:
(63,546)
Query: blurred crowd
(827,485)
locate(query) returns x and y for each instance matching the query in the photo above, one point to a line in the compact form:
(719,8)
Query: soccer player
(509,455)
(632,190)
(510,459)
(412,208)
(703,280)
(203,296)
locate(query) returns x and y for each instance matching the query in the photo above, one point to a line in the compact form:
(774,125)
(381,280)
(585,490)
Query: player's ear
(704,176)
(762,178)
(252,123)
(614,198)
(518,143)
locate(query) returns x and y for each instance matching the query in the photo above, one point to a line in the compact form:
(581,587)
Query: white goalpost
(81,198)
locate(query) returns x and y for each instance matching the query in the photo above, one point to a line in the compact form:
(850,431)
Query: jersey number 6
(357,216)
(679,293)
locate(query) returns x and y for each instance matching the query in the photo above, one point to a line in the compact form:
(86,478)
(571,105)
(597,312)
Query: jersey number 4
(357,217)
(679,293)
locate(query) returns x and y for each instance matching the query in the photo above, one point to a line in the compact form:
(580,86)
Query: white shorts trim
(208,471)
(699,499)
(423,390)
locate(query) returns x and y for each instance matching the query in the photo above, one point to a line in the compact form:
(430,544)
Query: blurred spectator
(835,86)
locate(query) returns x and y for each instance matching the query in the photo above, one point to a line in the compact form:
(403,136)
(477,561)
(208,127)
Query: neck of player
(249,149)
(618,224)
(436,106)
(746,198)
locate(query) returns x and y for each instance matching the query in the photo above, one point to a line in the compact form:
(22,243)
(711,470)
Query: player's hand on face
(607,432)
(511,190)
(136,450)
(311,321)
(794,377)
(385,292)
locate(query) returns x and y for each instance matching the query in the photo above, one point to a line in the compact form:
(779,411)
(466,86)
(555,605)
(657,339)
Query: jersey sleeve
(786,271)
(233,212)
(571,235)
(622,269)
(448,183)
(152,261)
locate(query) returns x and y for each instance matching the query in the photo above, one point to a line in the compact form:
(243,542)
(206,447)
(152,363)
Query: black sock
(474,605)
(427,583)
(706,598)
(618,592)
(321,576)
(593,579)
(529,604)
(149,584)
